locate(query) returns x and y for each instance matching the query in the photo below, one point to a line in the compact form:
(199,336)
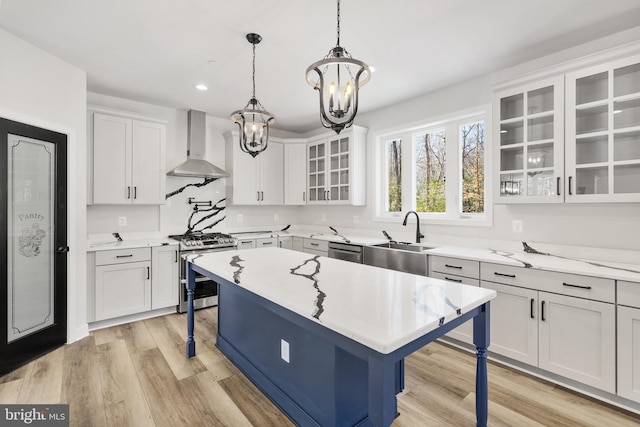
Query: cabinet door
(148,163)
(122,289)
(285,242)
(245,177)
(295,174)
(165,276)
(297,244)
(628,351)
(338,169)
(514,322)
(271,178)
(267,242)
(578,340)
(530,156)
(246,244)
(111,159)
(316,173)
(603,136)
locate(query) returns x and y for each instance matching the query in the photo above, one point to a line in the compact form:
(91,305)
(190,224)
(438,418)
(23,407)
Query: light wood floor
(137,375)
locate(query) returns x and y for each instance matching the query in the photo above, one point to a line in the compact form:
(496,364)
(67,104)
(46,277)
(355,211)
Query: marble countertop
(382,309)
(106,245)
(309,234)
(530,257)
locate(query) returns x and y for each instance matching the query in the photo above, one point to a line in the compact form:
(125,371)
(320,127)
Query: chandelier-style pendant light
(344,77)
(253,120)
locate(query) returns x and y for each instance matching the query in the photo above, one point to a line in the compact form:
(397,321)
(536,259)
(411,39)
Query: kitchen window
(438,169)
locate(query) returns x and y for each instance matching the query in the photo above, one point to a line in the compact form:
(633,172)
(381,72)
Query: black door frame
(30,347)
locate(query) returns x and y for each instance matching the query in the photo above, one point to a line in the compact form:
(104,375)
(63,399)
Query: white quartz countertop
(541,260)
(379,308)
(106,245)
(329,236)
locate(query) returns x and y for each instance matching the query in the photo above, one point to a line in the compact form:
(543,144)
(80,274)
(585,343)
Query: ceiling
(156,51)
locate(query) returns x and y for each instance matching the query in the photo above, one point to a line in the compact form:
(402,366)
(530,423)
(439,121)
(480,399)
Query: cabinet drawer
(593,288)
(628,294)
(318,245)
(459,267)
(454,278)
(120,256)
(267,242)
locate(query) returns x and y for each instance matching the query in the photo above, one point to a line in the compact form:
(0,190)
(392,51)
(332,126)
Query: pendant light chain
(338,26)
(254,70)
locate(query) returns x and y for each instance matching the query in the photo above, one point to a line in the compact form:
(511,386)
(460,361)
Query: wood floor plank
(137,337)
(173,349)
(210,399)
(45,370)
(105,335)
(253,404)
(216,363)
(9,391)
(16,374)
(81,385)
(168,403)
(124,399)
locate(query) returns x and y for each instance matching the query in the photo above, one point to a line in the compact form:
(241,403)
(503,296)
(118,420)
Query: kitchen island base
(317,376)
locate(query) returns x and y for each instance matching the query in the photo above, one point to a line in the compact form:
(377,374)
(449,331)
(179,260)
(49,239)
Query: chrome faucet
(418,234)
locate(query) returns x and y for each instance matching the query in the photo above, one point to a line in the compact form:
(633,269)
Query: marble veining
(419,298)
(235,262)
(215,210)
(511,256)
(206,181)
(319,302)
(339,236)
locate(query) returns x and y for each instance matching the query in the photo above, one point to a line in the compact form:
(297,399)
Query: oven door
(206,292)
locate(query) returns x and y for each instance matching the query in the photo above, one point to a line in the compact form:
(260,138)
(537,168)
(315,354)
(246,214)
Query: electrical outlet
(122,221)
(356,219)
(239,218)
(323,217)
(284,350)
(276,217)
(516,226)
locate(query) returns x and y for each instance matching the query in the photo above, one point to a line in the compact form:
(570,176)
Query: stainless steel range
(206,292)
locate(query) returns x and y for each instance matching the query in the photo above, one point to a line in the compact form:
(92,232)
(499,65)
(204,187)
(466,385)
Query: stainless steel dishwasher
(346,252)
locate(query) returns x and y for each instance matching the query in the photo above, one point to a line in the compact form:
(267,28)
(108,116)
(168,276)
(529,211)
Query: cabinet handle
(135,192)
(542,314)
(279,244)
(124,256)
(576,286)
(246,241)
(262,196)
(314,244)
(558,185)
(513,276)
(266,243)
(304,196)
(176,256)
(148,273)
(128,192)
(459,267)
(532,304)
(570,185)
(453,280)
(257,196)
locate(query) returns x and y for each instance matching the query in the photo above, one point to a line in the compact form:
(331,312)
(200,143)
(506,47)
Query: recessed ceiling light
(201,87)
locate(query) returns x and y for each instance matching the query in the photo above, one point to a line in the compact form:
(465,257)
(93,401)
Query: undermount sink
(407,257)
(404,246)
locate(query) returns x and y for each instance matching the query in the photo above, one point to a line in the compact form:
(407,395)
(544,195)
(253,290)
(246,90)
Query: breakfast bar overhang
(326,339)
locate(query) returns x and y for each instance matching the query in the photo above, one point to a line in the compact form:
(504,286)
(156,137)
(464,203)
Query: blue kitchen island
(326,339)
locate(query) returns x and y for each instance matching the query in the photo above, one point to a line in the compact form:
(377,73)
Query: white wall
(42,90)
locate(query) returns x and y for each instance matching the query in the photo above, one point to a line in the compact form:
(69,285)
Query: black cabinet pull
(148,273)
(257,196)
(266,243)
(453,266)
(128,192)
(532,304)
(558,186)
(135,192)
(453,280)
(124,256)
(304,196)
(513,276)
(246,241)
(570,185)
(542,314)
(314,244)
(576,286)
(176,255)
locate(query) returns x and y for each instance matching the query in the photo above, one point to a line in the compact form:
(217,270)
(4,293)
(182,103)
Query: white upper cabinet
(295,173)
(336,168)
(254,180)
(603,132)
(529,153)
(128,160)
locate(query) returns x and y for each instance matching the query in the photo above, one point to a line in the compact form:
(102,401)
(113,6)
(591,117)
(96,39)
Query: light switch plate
(516,226)
(122,221)
(284,350)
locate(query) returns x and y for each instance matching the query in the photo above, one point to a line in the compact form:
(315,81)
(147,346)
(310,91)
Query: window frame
(451,123)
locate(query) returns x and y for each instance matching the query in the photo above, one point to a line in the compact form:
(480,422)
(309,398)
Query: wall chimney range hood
(196,166)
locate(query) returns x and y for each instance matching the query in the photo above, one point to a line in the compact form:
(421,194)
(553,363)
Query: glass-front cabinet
(336,167)
(603,132)
(530,132)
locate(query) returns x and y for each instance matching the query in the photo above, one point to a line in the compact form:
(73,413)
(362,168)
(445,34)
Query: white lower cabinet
(316,247)
(165,271)
(629,340)
(285,242)
(297,243)
(246,244)
(458,271)
(566,331)
(266,242)
(122,283)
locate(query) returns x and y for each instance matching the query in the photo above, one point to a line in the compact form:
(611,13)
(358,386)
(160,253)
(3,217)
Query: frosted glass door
(30,242)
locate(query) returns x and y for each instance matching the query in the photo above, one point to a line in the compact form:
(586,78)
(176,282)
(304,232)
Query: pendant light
(344,77)
(253,120)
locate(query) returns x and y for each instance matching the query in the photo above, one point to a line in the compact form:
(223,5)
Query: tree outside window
(472,138)
(394,156)
(431,161)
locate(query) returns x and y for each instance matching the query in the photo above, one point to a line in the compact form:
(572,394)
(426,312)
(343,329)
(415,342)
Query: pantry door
(33,250)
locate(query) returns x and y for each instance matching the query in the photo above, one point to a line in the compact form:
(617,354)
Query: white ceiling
(155,51)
